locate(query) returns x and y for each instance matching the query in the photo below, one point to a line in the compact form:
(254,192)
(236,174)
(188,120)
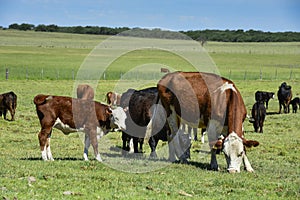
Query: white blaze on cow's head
(118,118)
(233,149)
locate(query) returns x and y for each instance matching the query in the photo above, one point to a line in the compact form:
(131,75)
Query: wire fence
(282,72)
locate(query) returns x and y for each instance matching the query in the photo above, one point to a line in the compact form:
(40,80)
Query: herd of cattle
(284,95)
(180,100)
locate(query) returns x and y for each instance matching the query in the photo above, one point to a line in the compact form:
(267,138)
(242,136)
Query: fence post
(73,74)
(291,74)
(276,74)
(245,75)
(6,73)
(26,73)
(260,75)
(42,74)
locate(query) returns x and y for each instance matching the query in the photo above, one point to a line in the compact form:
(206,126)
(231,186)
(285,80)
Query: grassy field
(58,56)
(24,176)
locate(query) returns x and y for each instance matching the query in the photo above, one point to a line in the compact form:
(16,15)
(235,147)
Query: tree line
(200,35)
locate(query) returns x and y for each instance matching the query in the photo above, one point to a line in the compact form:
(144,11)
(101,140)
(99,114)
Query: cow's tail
(41,99)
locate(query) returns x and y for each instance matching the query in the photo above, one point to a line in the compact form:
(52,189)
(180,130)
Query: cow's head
(118,117)
(234,150)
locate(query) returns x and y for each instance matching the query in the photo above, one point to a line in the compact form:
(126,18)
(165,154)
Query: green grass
(23,175)
(58,56)
(275,160)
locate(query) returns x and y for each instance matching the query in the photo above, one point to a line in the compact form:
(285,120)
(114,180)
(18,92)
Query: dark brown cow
(113,98)
(72,115)
(284,95)
(206,100)
(8,101)
(85,91)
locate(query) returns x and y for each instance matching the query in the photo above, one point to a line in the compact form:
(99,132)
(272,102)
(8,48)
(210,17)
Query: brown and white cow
(75,115)
(8,102)
(85,91)
(208,101)
(113,98)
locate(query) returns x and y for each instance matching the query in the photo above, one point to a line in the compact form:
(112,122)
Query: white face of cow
(118,118)
(233,149)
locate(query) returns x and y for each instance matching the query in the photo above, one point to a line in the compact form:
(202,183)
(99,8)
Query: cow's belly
(66,129)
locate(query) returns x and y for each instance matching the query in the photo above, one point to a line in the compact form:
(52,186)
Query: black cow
(284,96)
(295,103)
(8,101)
(140,106)
(262,96)
(258,115)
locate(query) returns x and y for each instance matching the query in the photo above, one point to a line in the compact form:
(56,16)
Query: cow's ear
(250,143)
(218,144)
(108,110)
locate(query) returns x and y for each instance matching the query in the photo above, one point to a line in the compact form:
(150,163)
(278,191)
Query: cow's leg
(92,133)
(280,106)
(87,144)
(202,135)
(44,140)
(135,144)
(247,164)
(267,102)
(153,143)
(172,139)
(213,135)
(4,113)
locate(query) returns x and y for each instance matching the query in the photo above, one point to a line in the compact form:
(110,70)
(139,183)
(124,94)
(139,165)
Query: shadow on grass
(62,159)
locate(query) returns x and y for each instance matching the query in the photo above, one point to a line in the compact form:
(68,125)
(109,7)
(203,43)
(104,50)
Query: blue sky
(265,15)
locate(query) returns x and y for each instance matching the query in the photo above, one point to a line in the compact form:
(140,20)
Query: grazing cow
(85,91)
(284,96)
(71,115)
(295,103)
(261,96)
(113,98)
(206,100)
(258,116)
(8,101)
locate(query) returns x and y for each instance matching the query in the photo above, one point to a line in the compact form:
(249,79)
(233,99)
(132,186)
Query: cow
(262,96)
(72,115)
(113,98)
(284,95)
(295,103)
(85,91)
(137,104)
(8,102)
(206,100)
(258,115)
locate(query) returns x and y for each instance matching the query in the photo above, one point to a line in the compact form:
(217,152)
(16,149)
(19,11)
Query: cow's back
(202,96)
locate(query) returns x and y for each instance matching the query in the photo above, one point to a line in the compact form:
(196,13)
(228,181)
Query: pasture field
(58,56)
(23,175)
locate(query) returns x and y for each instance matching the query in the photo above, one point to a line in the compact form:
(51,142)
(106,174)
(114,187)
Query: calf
(75,115)
(85,91)
(284,96)
(8,102)
(261,96)
(113,98)
(295,103)
(258,116)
